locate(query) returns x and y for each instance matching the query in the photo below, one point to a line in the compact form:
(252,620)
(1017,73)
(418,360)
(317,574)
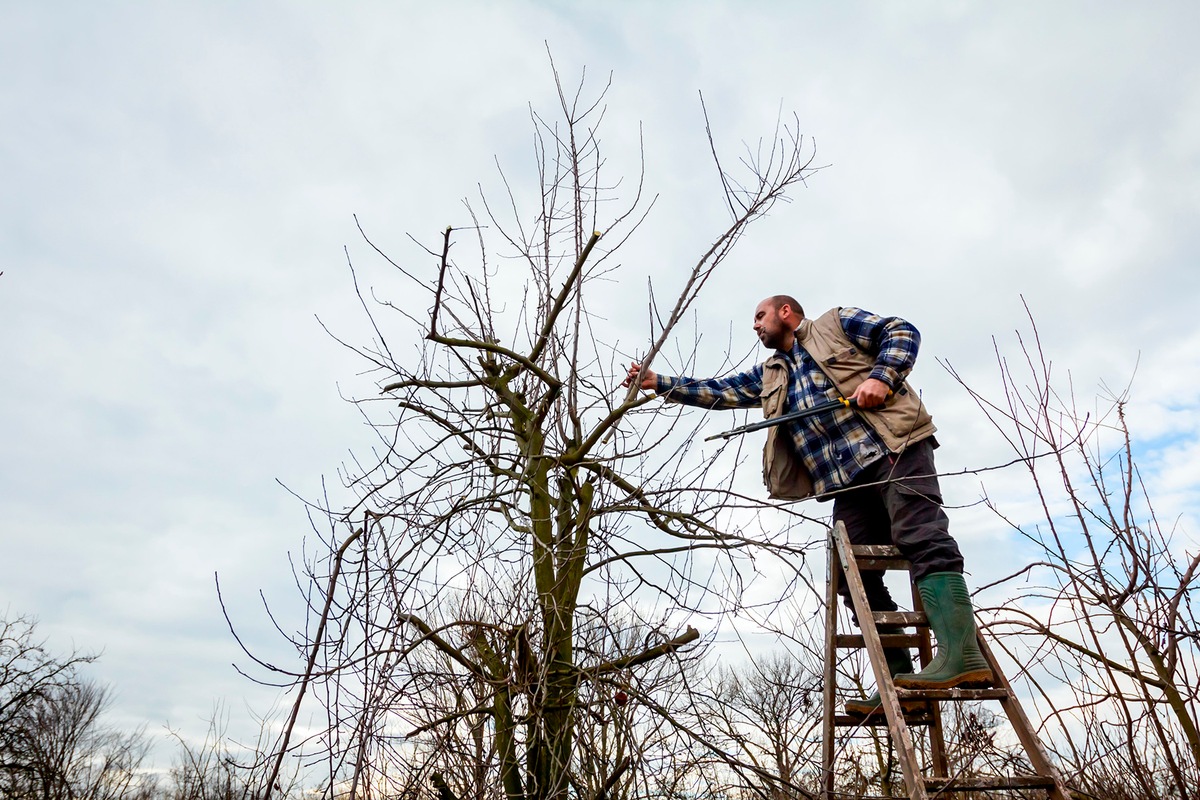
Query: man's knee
(920,527)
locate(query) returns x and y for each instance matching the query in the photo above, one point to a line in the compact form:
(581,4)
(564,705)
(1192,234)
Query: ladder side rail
(901,738)
(1023,728)
(829,685)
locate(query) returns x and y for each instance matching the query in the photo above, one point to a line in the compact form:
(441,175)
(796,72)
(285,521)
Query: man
(875,461)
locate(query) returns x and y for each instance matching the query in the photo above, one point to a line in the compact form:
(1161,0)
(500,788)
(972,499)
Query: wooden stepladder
(923,705)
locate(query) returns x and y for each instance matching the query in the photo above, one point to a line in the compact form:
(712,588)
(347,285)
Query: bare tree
(52,743)
(1105,614)
(770,712)
(60,749)
(522,562)
(28,674)
(219,768)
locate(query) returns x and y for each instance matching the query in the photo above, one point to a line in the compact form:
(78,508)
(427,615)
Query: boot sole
(976,679)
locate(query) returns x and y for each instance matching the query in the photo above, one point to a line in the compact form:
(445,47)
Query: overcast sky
(178,181)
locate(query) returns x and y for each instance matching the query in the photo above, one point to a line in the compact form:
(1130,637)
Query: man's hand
(871,393)
(649,380)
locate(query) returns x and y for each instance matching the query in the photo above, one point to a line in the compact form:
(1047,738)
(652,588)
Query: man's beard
(772,340)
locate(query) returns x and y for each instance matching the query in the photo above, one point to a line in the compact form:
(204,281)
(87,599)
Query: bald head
(776,320)
(778,301)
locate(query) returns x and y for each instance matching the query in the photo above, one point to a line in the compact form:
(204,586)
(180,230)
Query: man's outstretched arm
(734,391)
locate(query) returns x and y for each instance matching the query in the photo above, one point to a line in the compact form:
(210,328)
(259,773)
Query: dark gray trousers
(897,501)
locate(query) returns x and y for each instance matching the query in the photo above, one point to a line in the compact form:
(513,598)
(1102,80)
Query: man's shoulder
(831,321)
(833,316)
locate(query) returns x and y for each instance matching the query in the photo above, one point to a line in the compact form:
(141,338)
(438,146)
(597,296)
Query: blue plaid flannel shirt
(836,446)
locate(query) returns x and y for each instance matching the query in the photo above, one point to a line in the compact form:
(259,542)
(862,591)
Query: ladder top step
(875,551)
(905,619)
(882,564)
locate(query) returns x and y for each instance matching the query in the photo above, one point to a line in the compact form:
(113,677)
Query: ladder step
(913,718)
(953,694)
(882,564)
(907,619)
(877,557)
(970,783)
(875,551)
(852,641)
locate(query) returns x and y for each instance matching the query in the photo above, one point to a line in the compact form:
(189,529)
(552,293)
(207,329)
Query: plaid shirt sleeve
(734,391)
(893,341)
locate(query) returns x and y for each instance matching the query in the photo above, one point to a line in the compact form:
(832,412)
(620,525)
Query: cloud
(180,182)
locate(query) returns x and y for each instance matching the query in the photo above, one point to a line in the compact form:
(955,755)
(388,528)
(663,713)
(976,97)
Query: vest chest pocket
(846,367)
(773,399)
(843,356)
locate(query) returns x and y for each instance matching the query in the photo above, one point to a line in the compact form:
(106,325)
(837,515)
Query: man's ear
(793,316)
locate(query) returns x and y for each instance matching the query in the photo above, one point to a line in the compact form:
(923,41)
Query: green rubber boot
(958,662)
(899,661)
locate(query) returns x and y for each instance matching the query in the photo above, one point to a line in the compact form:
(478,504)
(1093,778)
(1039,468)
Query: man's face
(773,330)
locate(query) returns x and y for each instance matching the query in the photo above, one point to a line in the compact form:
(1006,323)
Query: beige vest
(900,422)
